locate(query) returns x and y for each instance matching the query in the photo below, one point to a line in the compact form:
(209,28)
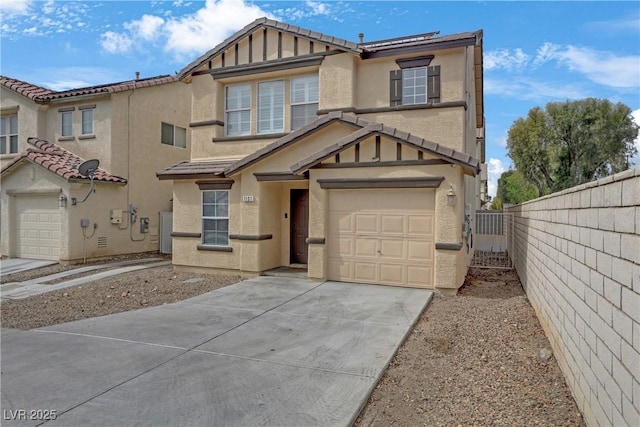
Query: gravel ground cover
(471,359)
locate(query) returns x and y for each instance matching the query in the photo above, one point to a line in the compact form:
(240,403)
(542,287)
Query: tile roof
(285,141)
(43,95)
(59,161)
(365,128)
(192,170)
(445,153)
(336,42)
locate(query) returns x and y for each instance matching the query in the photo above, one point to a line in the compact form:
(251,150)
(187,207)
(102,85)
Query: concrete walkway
(266,351)
(19,290)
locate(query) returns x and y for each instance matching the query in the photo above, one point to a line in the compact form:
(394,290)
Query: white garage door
(38,227)
(382,236)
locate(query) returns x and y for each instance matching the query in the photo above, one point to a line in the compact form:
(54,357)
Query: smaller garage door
(382,236)
(38,227)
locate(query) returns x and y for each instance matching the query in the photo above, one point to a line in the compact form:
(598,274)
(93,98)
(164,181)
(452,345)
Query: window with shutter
(414,86)
(271,107)
(304,101)
(238,110)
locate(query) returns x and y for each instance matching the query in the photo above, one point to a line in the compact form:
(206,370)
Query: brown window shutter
(433,84)
(395,87)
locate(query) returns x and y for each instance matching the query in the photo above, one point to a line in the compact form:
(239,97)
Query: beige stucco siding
(30,119)
(338,74)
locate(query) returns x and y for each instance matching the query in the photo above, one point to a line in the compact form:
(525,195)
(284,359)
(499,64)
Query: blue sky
(535,52)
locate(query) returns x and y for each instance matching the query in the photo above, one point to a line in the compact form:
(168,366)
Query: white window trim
(8,134)
(62,116)
(405,101)
(173,135)
(227,110)
(82,132)
(306,102)
(203,217)
(271,129)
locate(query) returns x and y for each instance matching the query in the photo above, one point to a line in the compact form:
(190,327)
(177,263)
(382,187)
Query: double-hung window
(414,86)
(215,217)
(87,122)
(66,118)
(173,135)
(271,107)
(304,100)
(238,110)
(8,134)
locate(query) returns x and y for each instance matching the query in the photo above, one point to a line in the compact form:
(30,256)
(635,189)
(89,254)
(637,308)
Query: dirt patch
(130,291)
(472,359)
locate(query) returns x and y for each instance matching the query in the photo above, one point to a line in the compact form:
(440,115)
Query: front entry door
(299,226)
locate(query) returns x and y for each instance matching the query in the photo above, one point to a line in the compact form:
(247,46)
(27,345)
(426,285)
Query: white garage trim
(37,231)
(382,236)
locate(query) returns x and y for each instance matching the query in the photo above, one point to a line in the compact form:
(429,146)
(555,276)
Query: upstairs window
(304,101)
(66,121)
(414,85)
(238,110)
(87,122)
(9,134)
(174,135)
(271,107)
(215,217)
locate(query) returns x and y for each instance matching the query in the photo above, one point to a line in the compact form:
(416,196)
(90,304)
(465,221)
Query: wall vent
(102,242)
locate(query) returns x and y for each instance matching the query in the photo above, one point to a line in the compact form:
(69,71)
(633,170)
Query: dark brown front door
(299,226)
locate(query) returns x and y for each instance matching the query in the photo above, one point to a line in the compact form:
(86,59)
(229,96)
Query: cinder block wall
(577,253)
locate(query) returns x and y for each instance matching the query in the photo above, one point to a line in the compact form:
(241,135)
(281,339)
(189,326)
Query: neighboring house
(133,128)
(358,161)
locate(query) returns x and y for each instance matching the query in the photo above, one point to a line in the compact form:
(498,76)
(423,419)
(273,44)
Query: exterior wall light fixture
(451,196)
(62,201)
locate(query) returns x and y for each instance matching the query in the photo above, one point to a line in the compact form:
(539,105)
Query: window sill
(8,156)
(250,137)
(67,138)
(87,136)
(215,248)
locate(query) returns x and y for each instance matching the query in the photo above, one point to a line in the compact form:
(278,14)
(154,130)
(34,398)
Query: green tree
(573,142)
(513,188)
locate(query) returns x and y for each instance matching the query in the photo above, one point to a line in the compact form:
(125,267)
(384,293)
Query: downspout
(129,209)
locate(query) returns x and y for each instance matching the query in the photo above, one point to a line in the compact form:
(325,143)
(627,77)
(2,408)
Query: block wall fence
(577,253)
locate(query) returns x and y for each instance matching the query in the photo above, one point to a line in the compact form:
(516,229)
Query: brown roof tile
(59,161)
(448,154)
(42,95)
(193,170)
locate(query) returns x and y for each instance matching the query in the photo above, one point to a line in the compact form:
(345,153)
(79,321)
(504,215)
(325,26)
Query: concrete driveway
(16,265)
(266,351)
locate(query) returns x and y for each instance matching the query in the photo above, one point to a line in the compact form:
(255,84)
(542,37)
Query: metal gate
(493,240)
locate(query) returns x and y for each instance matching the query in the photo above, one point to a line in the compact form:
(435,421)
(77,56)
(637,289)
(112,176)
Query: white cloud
(533,90)
(506,59)
(115,43)
(58,78)
(15,6)
(495,168)
(147,27)
(197,33)
(602,67)
(310,8)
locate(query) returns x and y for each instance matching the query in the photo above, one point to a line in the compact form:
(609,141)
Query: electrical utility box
(116,216)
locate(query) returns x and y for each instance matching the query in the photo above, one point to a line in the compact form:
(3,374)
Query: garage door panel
(366,223)
(392,248)
(365,271)
(420,225)
(417,275)
(365,247)
(37,231)
(392,273)
(392,224)
(420,251)
(390,235)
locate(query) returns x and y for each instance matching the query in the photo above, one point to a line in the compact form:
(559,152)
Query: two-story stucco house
(357,161)
(132,128)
